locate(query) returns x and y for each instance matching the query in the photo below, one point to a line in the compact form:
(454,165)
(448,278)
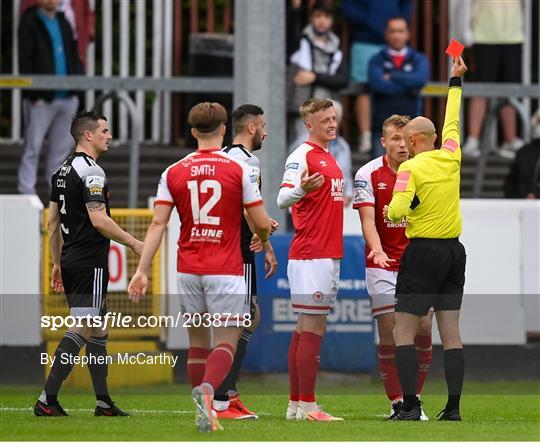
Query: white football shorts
(381,287)
(221,295)
(314,284)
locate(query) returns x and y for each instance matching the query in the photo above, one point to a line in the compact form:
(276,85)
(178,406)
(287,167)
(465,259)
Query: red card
(454,49)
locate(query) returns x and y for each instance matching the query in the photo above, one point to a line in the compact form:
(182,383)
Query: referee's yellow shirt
(427,186)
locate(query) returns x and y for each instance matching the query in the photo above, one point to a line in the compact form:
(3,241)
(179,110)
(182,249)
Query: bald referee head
(420,135)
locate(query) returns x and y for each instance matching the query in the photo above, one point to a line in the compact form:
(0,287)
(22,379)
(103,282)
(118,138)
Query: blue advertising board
(348,345)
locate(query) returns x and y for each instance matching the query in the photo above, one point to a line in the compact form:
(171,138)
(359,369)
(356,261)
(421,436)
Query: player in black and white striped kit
(249,132)
(80,229)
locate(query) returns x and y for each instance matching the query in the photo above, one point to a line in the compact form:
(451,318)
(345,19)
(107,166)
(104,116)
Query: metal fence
(123,29)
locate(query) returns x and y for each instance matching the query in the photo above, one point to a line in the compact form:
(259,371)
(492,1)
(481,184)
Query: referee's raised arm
(451,140)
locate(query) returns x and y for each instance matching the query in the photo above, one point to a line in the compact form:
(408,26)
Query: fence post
(259,68)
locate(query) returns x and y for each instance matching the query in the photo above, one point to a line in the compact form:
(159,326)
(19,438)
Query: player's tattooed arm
(103,223)
(95,206)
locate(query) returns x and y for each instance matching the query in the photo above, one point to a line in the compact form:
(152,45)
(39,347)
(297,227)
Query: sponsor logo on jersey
(323,163)
(95,184)
(337,189)
(292,166)
(206,235)
(360,184)
(382,186)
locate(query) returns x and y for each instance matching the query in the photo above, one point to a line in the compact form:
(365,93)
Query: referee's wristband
(455,81)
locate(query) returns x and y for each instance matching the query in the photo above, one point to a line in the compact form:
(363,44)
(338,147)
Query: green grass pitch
(504,411)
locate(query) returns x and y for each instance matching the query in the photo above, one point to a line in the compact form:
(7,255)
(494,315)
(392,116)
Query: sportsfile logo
(348,316)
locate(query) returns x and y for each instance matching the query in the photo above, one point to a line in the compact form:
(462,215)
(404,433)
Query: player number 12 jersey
(209,190)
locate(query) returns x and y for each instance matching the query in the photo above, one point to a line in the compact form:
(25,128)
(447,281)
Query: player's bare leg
(454,362)
(311,328)
(217,367)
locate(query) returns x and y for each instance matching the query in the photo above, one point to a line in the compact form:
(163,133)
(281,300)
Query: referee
(432,270)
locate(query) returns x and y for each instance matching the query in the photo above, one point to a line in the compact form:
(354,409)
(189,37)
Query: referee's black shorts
(86,290)
(431,274)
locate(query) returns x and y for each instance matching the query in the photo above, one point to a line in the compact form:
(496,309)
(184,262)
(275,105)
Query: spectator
(367,19)
(317,67)
(46,46)
(80,16)
(397,74)
(497,33)
(340,149)
(523,181)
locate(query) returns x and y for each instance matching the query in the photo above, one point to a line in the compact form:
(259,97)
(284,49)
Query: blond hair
(313,105)
(396,121)
(206,117)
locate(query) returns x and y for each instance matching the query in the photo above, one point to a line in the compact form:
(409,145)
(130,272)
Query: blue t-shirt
(60,64)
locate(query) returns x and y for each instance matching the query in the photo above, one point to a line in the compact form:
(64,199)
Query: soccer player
(313,186)
(80,229)
(385,243)
(249,132)
(209,189)
(432,269)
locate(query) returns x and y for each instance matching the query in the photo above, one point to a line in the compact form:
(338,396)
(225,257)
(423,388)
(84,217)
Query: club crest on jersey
(318,297)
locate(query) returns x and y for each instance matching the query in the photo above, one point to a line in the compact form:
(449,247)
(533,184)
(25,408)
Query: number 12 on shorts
(200,215)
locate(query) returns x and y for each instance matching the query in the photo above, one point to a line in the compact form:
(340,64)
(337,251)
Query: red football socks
(294,393)
(388,371)
(196,364)
(424,353)
(218,364)
(307,363)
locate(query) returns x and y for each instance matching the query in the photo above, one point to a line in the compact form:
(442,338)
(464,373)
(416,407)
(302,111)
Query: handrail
(176,84)
(134,152)
(226,84)
(470,89)
(491,118)
(508,91)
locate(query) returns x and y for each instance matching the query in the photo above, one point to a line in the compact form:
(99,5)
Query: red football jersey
(318,216)
(373,185)
(209,190)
